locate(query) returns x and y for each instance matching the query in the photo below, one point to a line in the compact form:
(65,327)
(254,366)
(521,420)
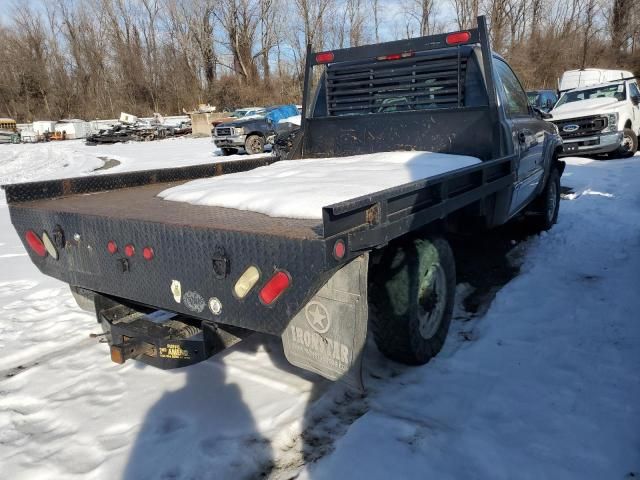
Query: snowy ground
(543,383)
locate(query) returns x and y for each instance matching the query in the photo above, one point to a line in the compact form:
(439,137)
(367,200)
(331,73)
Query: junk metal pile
(131,128)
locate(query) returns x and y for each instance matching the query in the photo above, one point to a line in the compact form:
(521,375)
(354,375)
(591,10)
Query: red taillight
(274,287)
(112,247)
(396,56)
(339,249)
(129,250)
(324,57)
(35,243)
(147,253)
(458,37)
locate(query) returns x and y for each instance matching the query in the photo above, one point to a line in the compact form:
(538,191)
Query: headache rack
(406,74)
(433,93)
(416,81)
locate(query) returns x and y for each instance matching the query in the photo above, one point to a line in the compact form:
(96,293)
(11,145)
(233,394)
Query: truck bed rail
(29,191)
(374,220)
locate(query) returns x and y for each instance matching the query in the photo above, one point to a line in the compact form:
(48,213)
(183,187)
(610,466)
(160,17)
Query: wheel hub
(432,301)
(254,145)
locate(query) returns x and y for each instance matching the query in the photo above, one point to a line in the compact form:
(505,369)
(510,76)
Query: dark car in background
(251,133)
(542,99)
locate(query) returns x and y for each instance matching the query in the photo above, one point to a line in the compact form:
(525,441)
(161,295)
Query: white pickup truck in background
(600,119)
(587,77)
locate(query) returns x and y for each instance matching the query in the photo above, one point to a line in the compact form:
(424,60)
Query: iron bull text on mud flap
(328,335)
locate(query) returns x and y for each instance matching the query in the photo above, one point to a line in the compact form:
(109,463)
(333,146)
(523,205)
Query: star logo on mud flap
(317,317)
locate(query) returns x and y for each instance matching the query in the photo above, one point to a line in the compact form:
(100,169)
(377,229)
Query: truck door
(527,132)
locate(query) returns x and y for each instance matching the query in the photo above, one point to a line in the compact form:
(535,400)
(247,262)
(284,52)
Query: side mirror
(541,113)
(549,104)
(635,99)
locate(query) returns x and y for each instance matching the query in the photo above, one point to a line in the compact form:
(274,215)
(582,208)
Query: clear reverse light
(49,246)
(246,282)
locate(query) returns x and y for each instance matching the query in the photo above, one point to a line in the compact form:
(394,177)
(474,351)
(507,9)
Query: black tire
(546,207)
(228,151)
(411,295)
(254,144)
(629,145)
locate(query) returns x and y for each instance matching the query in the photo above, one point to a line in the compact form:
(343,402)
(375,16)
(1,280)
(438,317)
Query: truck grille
(223,131)
(418,82)
(586,126)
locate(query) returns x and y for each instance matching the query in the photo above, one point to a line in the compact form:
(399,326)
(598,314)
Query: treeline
(95,58)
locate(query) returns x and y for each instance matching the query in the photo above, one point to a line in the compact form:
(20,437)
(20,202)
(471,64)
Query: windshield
(534,98)
(616,91)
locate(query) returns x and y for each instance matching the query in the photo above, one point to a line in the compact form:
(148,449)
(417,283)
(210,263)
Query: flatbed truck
(173,283)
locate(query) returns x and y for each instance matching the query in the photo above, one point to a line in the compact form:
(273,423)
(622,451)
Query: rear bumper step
(161,339)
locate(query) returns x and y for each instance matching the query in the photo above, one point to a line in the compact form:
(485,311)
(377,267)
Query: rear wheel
(629,145)
(254,144)
(411,294)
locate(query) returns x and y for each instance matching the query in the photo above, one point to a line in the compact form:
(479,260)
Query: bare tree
(620,21)
(419,17)
(95,58)
(240,19)
(466,12)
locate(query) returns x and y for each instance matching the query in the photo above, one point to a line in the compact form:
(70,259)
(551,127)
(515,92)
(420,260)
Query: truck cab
(600,119)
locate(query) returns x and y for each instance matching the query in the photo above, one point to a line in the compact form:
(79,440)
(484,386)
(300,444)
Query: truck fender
(552,147)
(327,336)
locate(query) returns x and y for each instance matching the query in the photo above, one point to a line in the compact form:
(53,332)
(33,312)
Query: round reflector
(147,253)
(35,243)
(112,247)
(339,249)
(129,250)
(274,287)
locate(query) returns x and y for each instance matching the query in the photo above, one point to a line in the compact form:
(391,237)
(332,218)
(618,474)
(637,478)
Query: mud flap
(328,335)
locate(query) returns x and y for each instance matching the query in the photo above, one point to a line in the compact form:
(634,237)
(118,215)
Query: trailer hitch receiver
(163,339)
(130,348)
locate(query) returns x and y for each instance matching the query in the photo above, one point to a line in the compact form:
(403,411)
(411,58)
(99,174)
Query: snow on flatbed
(543,385)
(300,188)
